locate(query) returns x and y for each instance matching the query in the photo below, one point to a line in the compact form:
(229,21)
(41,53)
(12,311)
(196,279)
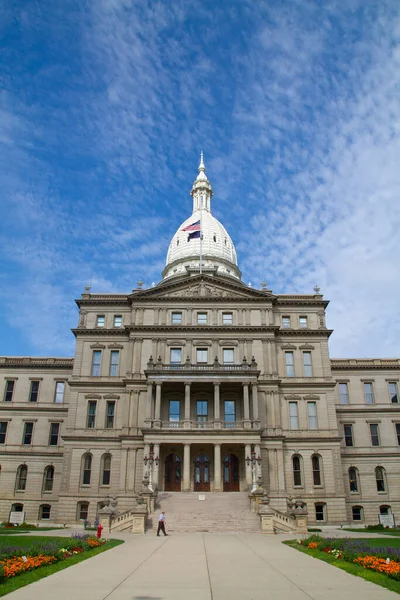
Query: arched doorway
(202,473)
(231,473)
(173,473)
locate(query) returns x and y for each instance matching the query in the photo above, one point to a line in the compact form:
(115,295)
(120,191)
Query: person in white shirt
(161,524)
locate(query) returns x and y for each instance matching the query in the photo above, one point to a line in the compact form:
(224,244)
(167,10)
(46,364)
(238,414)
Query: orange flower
(392,568)
(13,566)
(312,545)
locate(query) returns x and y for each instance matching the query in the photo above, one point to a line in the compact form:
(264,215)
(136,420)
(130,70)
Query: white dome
(218,254)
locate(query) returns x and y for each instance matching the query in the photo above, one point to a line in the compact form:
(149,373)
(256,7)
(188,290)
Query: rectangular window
(110,412)
(357,513)
(91,414)
(374,430)
(114,363)
(45,511)
(307,364)
(34,391)
(96,360)
(9,390)
(343,393)
(60,389)
(28,432)
(176,318)
(398,433)
(117,320)
(393,392)
(227,356)
(201,318)
(286,322)
(312,415)
(202,355)
(3,431)
(229,411)
(174,410)
(227,318)
(348,435)
(368,393)
(303,322)
(202,411)
(100,320)
(54,432)
(320,512)
(294,420)
(175,355)
(289,361)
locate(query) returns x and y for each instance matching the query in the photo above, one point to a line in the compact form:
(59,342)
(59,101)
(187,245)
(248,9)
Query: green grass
(357,570)
(17,530)
(393,532)
(14,583)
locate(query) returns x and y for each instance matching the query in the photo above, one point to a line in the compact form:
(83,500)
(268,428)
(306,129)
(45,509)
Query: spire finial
(201,165)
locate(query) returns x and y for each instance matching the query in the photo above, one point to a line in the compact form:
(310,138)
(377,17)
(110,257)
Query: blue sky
(105,106)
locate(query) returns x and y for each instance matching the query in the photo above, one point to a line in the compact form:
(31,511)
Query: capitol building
(216,385)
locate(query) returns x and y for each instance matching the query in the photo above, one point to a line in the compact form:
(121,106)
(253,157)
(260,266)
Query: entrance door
(202,473)
(231,473)
(173,473)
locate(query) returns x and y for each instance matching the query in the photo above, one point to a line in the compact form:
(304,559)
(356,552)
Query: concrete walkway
(202,567)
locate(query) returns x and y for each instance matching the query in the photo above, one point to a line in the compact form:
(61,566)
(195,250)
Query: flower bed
(15,560)
(381,559)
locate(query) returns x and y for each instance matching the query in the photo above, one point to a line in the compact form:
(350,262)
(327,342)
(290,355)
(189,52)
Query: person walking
(161,524)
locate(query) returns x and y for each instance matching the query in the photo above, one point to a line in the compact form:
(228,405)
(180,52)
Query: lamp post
(254,461)
(150,462)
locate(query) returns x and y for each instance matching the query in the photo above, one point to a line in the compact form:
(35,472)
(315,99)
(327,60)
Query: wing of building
(206,385)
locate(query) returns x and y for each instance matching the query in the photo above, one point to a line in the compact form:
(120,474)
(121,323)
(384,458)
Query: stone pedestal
(139,515)
(301,523)
(105,522)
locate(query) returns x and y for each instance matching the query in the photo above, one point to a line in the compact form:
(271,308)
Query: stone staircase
(219,512)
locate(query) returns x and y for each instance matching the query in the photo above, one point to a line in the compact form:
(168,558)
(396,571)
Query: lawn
(19,543)
(394,532)
(349,566)
(18,531)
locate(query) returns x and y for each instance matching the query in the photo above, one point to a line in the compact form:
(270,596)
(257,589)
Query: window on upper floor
(114,363)
(229,412)
(21,478)
(86,469)
(368,393)
(176,318)
(228,356)
(91,414)
(303,322)
(393,392)
(3,431)
(297,474)
(374,431)
(358,513)
(9,390)
(286,322)
(106,470)
(312,415)
(348,435)
(227,318)
(175,355)
(201,355)
(293,415)
(54,434)
(201,411)
(60,390)
(307,365)
(380,477)
(316,469)
(174,410)
(353,480)
(117,320)
(289,364)
(34,391)
(343,393)
(398,432)
(100,320)
(48,479)
(110,414)
(96,362)
(27,435)
(202,318)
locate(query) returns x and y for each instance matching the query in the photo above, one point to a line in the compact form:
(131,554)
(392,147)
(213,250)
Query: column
(156,469)
(278,419)
(274,361)
(247,453)
(122,469)
(186,468)
(217,468)
(187,405)
(246,406)
(149,403)
(254,393)
(281,471)
(217,416)
(157,412)
(137,354)
(257,451)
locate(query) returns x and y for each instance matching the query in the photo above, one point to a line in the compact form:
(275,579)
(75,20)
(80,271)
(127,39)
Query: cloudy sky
(105,106)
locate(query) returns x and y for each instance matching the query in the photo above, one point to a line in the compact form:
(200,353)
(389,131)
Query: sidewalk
(202,567)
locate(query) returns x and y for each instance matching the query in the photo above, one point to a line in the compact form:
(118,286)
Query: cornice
(96,382)
(364,410)
(31,362)
(33,409)
(177,329)
(300,300)
(359,364)
(319,383)
(293,333)
(100,331)
(92,439)
(110,299)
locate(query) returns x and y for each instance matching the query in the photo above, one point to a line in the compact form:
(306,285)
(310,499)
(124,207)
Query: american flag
(192,227)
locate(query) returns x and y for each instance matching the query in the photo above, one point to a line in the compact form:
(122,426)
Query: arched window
(316,469)
(17,507)
(44,511)
(48,479)
(380,477)
(353,480)
(22,475)
(82,511)
(358,513)
(297,478)
(214,237)
(385,509)
(106,469)
(86,469)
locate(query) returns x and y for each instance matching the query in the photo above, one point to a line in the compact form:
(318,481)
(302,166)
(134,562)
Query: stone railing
(207,425)
(36,362)
(364,363)
(158,365)
(275,521)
